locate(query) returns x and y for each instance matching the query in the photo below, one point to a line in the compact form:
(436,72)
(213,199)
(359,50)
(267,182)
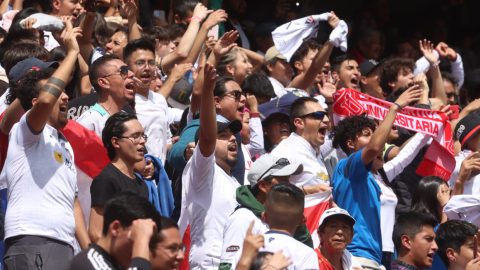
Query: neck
(290,231)
(454,266)
(106,242)
(300,133)
(124,166)
(143,91)
(406,258)
(110,105)
(261,197)
(333,257)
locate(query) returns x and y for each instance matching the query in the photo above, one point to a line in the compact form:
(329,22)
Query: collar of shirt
(396,264)
(276,83)
(300,141)
(222,119)
(55,134)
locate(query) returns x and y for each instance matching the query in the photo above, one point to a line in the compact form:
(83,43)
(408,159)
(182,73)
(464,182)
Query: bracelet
(401,108)
(255,115)
(304,192)
(195,17)
(444,206)
(435,65)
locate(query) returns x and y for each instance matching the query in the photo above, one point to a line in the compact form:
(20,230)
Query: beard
(231,161)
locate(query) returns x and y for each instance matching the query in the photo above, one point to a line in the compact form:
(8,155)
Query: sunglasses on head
(317,115)
(281,162)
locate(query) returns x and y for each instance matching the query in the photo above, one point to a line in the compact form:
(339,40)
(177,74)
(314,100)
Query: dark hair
(410,224)
(390,71)
(29,88)
(137,44)
(453,234)
(337,62)
(3,33)
(259,260)
(183,6)
(168,223)
(157,32)
(127,206)
(302,51)
(220,88)
(447,76)
(101,33)
(22,14)
(297,109)
(258,85)
(365,35)
(124,30)
(177,30)
(22,51)
(348,128)
(74,88)
(272,62)
(44,5)
(424,197)
(93,71)
(268,145)
(115,127)
(283,203)
(12,39)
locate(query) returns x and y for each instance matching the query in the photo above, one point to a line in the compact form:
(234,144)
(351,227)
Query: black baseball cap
(467,128)
(17,72)
(180,95)
(235,126)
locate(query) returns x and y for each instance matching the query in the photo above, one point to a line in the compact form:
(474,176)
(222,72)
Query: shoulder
(88,259)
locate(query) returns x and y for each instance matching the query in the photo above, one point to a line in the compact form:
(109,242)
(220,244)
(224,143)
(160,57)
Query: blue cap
(278,105)
(17,72)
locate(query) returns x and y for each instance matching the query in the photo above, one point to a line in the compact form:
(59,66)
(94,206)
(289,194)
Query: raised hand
(427,49)
(252,103)
(442,49)
(326,88)
(216,18)
(70,39)
(451,54)
(210,77)
(225,44)
(149,170)
(201,11)
(179,71)
(443,195)
(195,73)
(333,20)
(142,229)
(28,25)
(129,9)
(209,44)
(469,164)
(411,95)
(279,261)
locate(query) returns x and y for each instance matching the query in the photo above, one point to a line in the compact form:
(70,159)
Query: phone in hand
(455,111)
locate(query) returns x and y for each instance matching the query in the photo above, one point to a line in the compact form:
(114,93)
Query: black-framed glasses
(123,72)
(317,115)
(236,94)
(136,138)
(281,162)
(174,249)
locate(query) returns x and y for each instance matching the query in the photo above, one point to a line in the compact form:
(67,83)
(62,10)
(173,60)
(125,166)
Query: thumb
(149,161)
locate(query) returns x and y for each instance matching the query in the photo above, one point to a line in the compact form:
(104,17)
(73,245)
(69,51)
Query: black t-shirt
(95,257)
(110,181)
(80,105)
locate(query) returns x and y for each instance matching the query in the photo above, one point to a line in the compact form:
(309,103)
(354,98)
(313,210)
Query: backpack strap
(382,173)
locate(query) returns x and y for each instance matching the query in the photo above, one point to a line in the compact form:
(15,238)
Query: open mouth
(380,157)
(130,87)
(232,148)
(64,108)
(284,131)
(241,109)
(322,131)
(141,151)
(354,82)
(430,256)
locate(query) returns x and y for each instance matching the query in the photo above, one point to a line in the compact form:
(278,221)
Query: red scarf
(439,160)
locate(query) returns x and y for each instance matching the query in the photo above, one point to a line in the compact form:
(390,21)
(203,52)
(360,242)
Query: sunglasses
(123,72)
(450,95)
(236,93)
(317,115)
(281,162)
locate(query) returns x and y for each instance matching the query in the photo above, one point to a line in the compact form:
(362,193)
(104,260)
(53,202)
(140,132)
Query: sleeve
(457,70)
(256,137)
(189,116)
(169,135)
(422,65)
(202,169)
(311,261)
(139,264)
(358,172)
(386,151)
(24,135)
(175,155)
(101,190)
(406,155)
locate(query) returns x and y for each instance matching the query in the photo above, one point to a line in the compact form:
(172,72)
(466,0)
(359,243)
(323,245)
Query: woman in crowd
(238,65)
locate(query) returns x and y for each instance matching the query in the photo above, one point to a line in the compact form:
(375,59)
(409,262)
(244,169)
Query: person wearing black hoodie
(264,173)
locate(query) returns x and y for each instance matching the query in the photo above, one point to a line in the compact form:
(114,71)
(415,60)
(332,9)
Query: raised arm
(255,58)
(40,113)
(208,119)
(188,39)
(84,41)
(438,89)
(468,164)
(130,10)
(111,9)
(380,136)
(224,45)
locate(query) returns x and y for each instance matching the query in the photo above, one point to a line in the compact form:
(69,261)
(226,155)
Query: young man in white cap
(279,70)
(264,173)
(335,231)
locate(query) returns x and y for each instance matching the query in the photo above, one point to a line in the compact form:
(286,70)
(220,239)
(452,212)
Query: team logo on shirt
(310,20)
(271,239)
(58,156)
(233,248)
(322,177)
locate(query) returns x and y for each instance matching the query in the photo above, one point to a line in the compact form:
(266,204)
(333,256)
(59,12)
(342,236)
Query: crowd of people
(135,136)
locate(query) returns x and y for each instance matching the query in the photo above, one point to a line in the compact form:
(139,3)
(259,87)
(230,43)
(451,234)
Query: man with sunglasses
(264,173)
(124,138)
(309,123)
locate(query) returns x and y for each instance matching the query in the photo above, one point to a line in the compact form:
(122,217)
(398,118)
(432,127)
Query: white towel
(464,207)
(45,22)
(288,37)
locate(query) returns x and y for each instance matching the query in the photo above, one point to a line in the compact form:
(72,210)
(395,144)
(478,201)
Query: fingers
(469,157)
(250,228)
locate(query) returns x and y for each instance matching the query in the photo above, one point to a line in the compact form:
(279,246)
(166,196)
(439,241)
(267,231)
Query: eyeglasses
(123,72)
(450,95)
(141,64)
(317,115)
(281,162)
(136,138)
(236,93)
(174,249)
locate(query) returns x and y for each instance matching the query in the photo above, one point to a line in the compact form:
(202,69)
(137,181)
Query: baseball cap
(180,95)
(366,66)
(273,53)
(17,71)
(336,211)
(278,105)
(467,128)
(268,165)
(235,126)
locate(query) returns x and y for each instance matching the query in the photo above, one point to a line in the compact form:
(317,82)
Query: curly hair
(348,129)
(29,87)
(390,70)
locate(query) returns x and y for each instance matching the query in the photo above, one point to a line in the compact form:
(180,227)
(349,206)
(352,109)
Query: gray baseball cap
(268,165)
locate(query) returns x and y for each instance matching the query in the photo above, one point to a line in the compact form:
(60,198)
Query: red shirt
(323,264)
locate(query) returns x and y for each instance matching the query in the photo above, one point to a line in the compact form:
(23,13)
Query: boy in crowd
(414,239)
(131,225)
(278,70)
(169,252)
(346,70)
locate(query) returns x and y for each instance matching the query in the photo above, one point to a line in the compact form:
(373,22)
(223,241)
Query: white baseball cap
(334,212)
(268,165)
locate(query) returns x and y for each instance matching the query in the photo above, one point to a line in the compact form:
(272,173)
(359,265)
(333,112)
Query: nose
(180,255)
(435,246)
(108,46)
(78,6)
(326,120)
(130,74)
(64,97)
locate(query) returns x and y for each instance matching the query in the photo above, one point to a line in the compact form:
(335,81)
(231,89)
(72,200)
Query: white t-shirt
(248,162)
(472,185)
(41,179)
(302,256)
(208,199)
(3,106)
(174,115)
(255,146)
(235,232)
(50,41)
(298,151)
(277,87)
(152,113)
(94,119)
